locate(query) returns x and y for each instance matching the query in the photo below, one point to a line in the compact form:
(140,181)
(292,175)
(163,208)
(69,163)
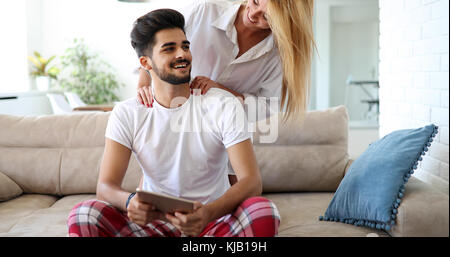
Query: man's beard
(171,78)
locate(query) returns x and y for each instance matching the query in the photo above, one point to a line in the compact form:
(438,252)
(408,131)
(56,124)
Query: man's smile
(181,65)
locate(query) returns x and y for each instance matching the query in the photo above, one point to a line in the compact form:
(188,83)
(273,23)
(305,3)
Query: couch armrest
(424,212)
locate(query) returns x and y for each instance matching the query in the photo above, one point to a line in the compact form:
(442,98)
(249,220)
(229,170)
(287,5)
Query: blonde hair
(291,22)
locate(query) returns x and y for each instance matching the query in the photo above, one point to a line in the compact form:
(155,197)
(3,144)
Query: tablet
(166,203)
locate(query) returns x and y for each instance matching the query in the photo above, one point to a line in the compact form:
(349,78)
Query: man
(181,144)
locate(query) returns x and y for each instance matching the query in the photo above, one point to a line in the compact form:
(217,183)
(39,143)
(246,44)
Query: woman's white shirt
(214,46)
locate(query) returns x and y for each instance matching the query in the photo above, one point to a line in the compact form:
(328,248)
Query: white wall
(322,60)
(354,51)
(104,24)
(414,84)
(322,57)
(13,64)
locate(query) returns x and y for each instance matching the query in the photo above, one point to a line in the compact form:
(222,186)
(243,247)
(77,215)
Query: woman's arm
(266,103)
(145,80)
(235,93)
(204,84)
(144,92)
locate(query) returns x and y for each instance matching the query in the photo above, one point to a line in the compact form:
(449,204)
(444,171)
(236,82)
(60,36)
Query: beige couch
(50,163)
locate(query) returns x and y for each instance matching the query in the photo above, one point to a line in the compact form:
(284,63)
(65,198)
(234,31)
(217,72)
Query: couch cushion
(54,131)
(41,215)
(12,211)
(301,168)
(299,212)
(34,148)
(320,127)
(8,188)
(35,170)
(80,168)
(57,154)
(307,156)
(47,220)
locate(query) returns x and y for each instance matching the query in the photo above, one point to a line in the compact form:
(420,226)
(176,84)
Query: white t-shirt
(182,151)
(214,46)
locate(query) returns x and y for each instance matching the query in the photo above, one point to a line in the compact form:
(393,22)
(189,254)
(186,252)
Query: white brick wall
(414,77)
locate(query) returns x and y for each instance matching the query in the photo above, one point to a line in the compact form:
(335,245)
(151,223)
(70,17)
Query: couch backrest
(56,154)
(307,156)
(61,154)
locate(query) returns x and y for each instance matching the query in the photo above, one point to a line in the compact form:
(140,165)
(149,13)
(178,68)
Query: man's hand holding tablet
(187,216)
(165,203)
(141,212)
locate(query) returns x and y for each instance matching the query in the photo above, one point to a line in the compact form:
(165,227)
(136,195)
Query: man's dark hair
(145,28)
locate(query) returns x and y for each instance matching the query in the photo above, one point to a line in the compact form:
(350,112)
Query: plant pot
(43,83)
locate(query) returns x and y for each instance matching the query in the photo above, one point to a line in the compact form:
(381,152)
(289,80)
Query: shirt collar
(226,20)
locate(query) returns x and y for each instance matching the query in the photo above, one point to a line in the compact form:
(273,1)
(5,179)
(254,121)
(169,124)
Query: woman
(255,48)
(258,48)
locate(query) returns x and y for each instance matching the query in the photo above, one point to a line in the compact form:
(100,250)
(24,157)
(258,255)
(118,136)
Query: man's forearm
(112,171)
(228,202)
(113,194)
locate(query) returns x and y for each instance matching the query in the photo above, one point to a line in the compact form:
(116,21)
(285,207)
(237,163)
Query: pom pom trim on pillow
(395,205)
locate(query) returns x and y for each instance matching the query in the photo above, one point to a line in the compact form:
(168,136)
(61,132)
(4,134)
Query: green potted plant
(86,74)
(41,71)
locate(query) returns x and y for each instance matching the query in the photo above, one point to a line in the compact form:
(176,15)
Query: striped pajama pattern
(255,217)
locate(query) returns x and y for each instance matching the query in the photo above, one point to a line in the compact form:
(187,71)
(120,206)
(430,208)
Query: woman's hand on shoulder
(204,84)
(145,97)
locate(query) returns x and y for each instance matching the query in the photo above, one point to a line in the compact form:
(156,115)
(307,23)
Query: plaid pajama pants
(256,216)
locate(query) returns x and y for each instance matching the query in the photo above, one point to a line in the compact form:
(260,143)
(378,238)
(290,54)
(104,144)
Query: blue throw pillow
(371,191)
